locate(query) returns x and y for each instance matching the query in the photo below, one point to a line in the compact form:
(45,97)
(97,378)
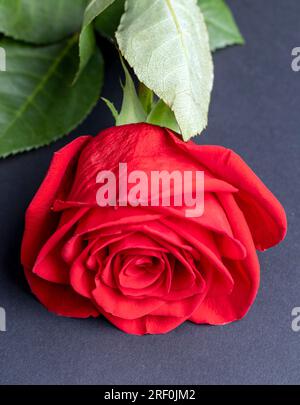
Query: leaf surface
(37,102)
(166,42)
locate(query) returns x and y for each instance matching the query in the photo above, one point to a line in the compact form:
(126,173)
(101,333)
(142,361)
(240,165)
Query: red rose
(148,269)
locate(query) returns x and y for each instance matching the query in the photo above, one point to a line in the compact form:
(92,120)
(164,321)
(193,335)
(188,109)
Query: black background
(255,111)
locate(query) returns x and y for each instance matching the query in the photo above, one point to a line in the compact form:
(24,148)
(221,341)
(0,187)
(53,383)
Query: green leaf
(146,97)
(112,108)
(222,28)
(107,22)
(94,8)
(132,110)
(87,45)
(37,102)
(41,21)
(87,40)
(163,116)
(166,42)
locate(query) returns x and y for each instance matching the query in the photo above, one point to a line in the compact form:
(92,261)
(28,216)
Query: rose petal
(181,308)
(263,212)
(222,309)
(40,221)
(82,280)
(112,301)
(50,264)
(60,299)
(146,325)
(207,248)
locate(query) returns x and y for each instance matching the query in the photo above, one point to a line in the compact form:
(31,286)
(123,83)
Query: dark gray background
(256,111)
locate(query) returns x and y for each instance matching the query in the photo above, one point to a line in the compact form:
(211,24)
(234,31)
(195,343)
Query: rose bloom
(148,269)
